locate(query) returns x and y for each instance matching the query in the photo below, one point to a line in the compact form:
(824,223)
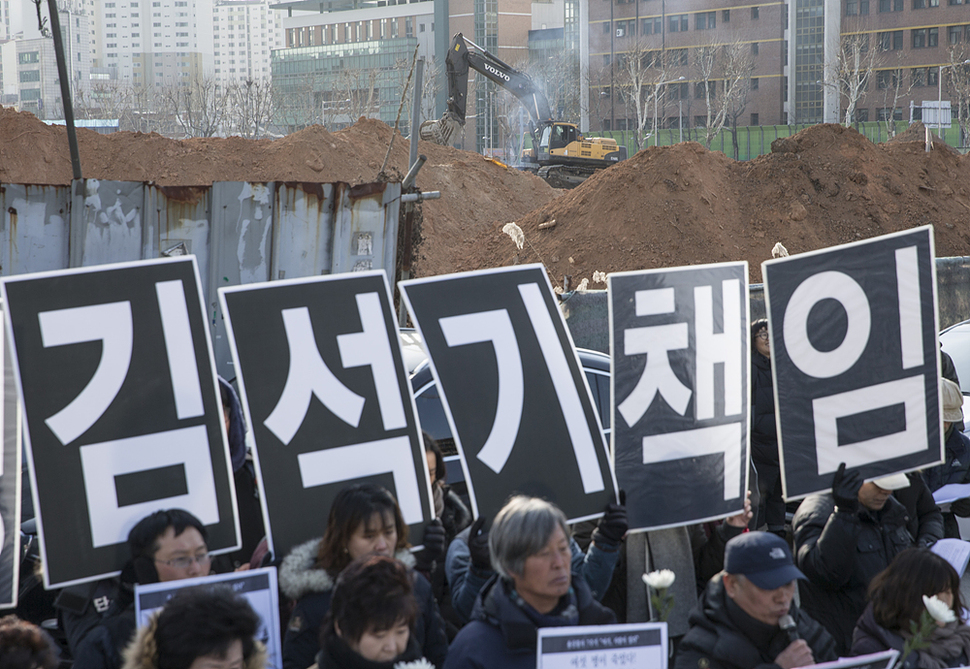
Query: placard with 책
(680,348)
(510,382)
(258,586)
(10,492)
(634,646)
(122,410)
(855,359)
(322,356)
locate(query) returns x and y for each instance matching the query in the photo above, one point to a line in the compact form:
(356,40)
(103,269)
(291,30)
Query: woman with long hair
(364,519)
(896,602)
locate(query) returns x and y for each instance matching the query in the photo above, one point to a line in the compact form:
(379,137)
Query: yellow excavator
(560,154)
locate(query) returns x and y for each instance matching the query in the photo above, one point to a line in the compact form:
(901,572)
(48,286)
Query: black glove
(845,489)
(611,528)
(478,545)
(434,546)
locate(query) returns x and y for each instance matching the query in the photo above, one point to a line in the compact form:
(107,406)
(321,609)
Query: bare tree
(957,74)
(357,93)
(251,106)
(642,75)
(199,107)
(852,71)
(725,73)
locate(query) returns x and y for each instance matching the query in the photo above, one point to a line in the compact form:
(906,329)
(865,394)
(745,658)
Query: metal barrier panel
(365,228)
(108,227)
(303,234)
(34,228)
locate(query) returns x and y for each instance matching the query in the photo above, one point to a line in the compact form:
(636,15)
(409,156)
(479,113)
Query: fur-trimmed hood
(298,577)
(140,654)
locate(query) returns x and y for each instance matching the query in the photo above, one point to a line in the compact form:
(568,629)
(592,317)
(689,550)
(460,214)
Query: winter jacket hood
(141,654)
(298,576)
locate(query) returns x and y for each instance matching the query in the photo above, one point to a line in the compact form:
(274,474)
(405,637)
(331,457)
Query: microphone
(787,623)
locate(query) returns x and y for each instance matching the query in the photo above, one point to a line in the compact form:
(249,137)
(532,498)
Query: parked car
(955,340)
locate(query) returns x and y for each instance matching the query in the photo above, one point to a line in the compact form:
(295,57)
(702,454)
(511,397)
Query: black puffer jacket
(764,436)
(840,553)
(722,636)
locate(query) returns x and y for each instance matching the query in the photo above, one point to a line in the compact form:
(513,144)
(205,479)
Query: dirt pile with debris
(475,192)
(685,205)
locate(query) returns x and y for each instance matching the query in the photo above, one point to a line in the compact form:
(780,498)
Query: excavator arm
(464,55)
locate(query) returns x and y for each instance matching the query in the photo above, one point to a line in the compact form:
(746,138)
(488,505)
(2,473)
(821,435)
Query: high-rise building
(155,42)
(37,82)
(244,34)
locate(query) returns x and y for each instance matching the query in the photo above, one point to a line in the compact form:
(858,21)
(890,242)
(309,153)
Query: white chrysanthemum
(599,277)
(779,251)
(515,232)
(940,610)
(660,580)
(583,285)
(417,664)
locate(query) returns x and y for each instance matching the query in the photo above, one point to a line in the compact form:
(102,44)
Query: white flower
(417,664)
(515,232)
(660,580)
(583,285)
(599,277)
(941,611)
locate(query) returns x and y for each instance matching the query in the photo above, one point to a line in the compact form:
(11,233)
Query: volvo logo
(496,72)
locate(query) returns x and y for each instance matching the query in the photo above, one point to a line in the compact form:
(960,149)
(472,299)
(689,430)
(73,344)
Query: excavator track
(564,176)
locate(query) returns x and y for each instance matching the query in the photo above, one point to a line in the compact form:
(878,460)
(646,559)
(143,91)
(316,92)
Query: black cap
(763,558)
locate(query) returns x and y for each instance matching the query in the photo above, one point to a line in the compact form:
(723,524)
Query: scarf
(946,645)
(565,614)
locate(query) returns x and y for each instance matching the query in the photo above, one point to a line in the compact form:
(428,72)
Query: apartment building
(35,70)
(155,42)
(244,33)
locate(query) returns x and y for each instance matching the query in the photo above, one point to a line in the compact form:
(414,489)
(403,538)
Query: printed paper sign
(324,387)
(681,368)
(635,646)
(123,415)
(855,359)
(258,586)
(513,389)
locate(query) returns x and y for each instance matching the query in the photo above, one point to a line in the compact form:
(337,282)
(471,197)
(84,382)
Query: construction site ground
(663,207)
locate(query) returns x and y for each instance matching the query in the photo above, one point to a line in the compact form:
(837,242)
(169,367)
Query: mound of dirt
(684,205)
(475,192)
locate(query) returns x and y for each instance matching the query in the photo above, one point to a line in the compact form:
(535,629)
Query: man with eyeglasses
(166,546)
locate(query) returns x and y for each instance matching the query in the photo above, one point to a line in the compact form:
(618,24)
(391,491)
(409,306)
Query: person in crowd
(469,565)
(448,507)
(168,545)
(199,628)
(372,613)
(23,645)
(243,474)
(842,540)
(454,517)
(956,467)
(533,587)
(925,522)
(739,621)
(896,602)
(764,438)
(364,519)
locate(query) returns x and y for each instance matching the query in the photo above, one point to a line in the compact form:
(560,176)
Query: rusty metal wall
(240,232)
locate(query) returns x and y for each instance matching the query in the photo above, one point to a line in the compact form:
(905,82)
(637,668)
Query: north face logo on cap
(777,553)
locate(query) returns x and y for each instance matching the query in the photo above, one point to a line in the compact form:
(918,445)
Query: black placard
(513,388)
(855,359)
(9,478)
(325,390)
(114,369)
(681,370)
